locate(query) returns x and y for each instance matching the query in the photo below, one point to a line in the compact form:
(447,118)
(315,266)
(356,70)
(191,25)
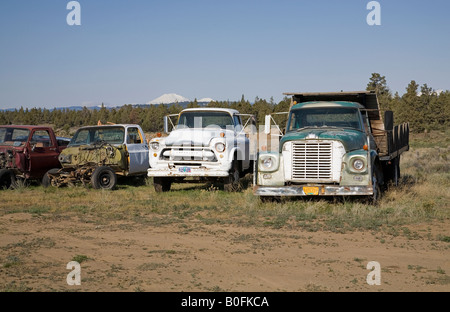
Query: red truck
(28,152)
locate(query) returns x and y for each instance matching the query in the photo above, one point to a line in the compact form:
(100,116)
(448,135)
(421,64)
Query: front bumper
(187,172)
(322,190)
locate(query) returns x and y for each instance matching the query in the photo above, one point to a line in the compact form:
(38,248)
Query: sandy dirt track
(126,256)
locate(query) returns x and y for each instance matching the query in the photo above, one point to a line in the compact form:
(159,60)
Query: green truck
(334,144)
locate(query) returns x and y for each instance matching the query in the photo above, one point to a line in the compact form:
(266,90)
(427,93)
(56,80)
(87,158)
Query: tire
(7,178)
(162,184)
(231,183)
(376,196)
(396,174)
(270,199)
(104,178)
(46,181)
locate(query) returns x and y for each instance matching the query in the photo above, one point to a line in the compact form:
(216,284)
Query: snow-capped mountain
(435,92)
(205,100)
(169,99)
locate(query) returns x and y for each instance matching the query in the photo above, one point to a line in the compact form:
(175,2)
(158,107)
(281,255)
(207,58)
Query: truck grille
(182,154)
(312,162)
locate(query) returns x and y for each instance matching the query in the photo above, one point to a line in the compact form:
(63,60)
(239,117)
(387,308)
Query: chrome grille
(312,162)
(189,154)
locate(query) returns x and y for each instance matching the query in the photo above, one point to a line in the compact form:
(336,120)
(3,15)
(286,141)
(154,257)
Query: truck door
(43,153)
(138,150)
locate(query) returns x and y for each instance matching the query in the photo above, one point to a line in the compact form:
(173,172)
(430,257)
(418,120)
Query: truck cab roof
(316,104)
(368,100)
(111,125)
(28,127)
(212,109)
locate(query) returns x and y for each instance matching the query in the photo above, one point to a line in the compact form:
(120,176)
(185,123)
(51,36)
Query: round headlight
(154,146)
(220,147)
(358,164)
(267,162)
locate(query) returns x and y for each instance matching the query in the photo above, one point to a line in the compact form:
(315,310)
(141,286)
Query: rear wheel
(162,184)
(396,179)
(104,178)
(7,178)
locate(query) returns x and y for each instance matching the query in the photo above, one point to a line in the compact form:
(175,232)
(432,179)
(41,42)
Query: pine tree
(3,120)
(411,110)
(378,84)
(193,104)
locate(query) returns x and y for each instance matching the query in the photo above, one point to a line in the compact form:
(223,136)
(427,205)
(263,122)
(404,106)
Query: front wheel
(232,182)
(270,199)
(376,189)
(162,184)
(104,178)
(48,176)
(7,178)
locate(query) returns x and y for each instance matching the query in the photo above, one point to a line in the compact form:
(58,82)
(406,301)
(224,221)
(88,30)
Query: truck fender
(376,165)
(239,155)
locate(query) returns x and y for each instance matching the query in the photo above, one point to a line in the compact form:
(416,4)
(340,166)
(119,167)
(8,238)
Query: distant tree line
(421,106)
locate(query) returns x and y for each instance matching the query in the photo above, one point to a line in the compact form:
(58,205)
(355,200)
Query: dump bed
(391,141)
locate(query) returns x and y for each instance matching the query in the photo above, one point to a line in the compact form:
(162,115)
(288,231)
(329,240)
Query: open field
(199,238)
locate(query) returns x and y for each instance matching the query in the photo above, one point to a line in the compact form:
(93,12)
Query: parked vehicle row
(334,144)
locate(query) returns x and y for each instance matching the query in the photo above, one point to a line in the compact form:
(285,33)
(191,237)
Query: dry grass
(423,196)
(200,238)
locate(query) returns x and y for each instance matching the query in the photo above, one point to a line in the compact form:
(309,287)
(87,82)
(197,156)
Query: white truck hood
(195,137)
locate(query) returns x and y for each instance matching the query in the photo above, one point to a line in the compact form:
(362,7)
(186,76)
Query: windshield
(205,119)
(111,135)
(13,136)
(339,117)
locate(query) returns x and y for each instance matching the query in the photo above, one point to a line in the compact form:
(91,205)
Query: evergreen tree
(425,111)
(378,84)
(3,120)
(261,108)
(193,104)
(283,106)
(411,110)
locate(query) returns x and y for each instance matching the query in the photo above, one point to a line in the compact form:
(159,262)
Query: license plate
(184,169)
(311,190)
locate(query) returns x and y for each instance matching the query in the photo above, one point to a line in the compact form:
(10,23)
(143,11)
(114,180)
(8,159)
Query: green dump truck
(334,144)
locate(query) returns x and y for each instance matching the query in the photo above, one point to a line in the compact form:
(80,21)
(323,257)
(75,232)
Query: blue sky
(134,51)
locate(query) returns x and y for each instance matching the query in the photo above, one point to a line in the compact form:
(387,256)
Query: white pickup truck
(206,144)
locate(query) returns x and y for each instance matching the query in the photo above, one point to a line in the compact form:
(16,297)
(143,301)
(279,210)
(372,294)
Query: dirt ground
(129,257)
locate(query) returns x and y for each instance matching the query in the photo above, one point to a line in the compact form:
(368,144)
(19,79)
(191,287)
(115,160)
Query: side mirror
(267,124)
(166,124)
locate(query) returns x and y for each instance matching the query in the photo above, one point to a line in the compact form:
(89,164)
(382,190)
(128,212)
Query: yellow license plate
(311,190)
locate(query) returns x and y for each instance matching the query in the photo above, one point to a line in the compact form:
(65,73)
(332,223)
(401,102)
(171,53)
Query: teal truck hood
(351,139)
